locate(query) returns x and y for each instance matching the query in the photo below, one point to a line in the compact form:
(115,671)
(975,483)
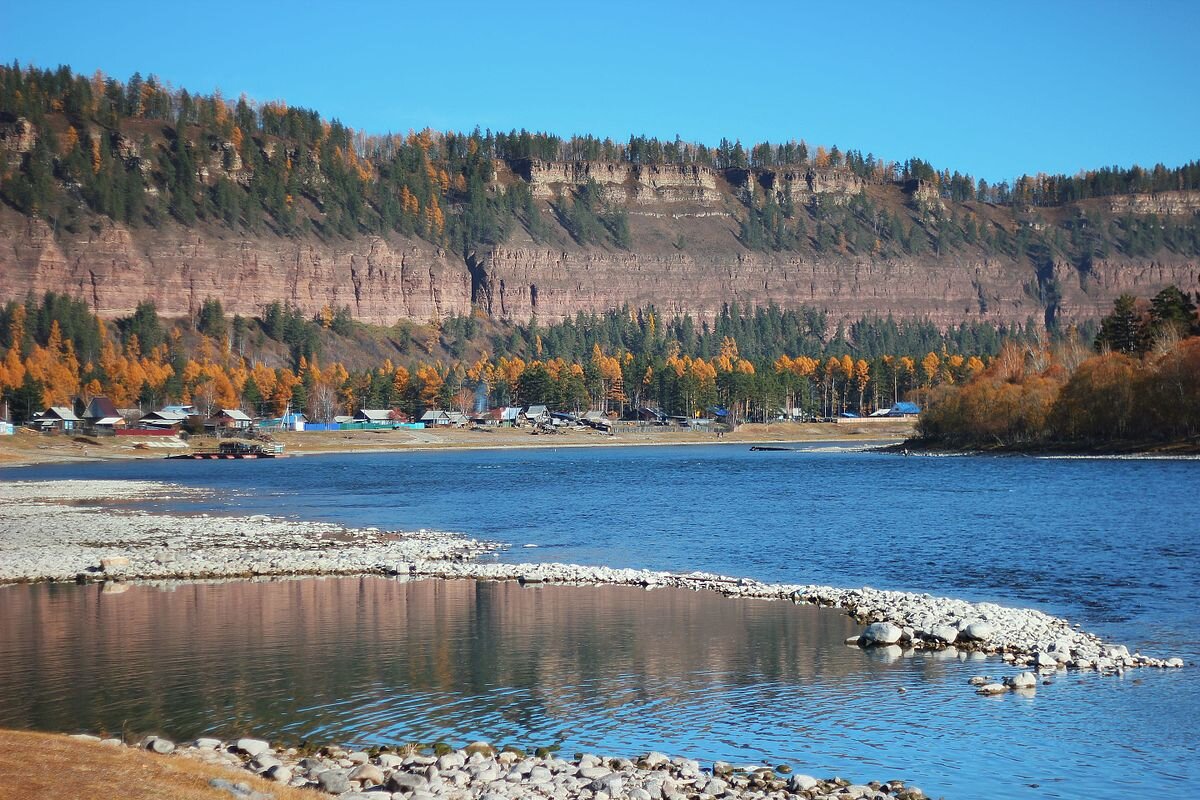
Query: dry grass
(39,765)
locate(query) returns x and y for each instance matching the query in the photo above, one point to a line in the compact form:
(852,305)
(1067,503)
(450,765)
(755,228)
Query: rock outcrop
(385,279)
(1162,203)
(114,268)
(622,182)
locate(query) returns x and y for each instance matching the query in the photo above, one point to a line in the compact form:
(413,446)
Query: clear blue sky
(995,89)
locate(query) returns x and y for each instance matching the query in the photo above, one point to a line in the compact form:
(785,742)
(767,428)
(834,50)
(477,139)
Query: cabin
(904,409)
(654,416)
(536,415)
(457,419)
(55,418)
(232,419)
(102,416)
(378,416)
(433,418)
(164,418)
(597,420)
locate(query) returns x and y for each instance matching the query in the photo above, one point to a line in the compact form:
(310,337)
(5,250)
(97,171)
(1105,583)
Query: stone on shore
(881,633)
(334,781)
(946,634)
(1045,661)
(280,773)
(1024,680)
(252,747)
(483,748)
(977,631)
(801,783)
(157,744)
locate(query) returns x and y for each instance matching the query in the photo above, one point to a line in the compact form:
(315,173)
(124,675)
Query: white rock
(1024,680)
(947,634)
(881,633)
(156,744)
(1045,660)
(801,783)
(992,688)
(977,631)
(252,747)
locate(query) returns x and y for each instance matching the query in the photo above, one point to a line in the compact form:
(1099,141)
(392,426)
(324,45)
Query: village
(99,429)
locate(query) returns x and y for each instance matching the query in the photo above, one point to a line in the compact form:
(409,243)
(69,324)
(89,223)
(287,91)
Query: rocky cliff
(114,268)
(383,280)
(685,252)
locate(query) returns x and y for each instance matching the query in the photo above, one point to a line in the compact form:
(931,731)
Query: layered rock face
(554,284)
(177,268)
(1162,203)
(799,185)
(624,183)
(685,257)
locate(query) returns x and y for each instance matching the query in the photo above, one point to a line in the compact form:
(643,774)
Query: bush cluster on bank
(1143,385)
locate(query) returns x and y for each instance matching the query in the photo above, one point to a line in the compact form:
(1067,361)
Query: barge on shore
(235,450)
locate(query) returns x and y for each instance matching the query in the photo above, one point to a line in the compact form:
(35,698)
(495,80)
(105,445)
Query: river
(1109,543)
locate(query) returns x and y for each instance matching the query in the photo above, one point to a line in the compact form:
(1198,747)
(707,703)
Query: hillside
(117,193)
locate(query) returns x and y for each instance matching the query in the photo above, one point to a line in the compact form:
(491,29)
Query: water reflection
(361,658)
(615,670)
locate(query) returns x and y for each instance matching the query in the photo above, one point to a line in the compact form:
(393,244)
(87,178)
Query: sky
(992,89)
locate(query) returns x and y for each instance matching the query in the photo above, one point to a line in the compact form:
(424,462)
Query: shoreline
(70,531)
(30,449)
(1169,451)
(416,772)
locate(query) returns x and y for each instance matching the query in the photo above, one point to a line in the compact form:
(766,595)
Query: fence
(147,432)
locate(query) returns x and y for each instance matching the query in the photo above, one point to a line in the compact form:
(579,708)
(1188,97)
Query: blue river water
(1109,543)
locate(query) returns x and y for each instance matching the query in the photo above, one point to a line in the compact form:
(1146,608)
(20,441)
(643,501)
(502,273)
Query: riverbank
(34,764)
(26,447)
(1134,449)
(72,531)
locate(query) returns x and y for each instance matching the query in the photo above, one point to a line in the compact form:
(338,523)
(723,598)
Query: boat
(235,449)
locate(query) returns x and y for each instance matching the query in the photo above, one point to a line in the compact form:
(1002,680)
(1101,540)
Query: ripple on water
(612,670)
(619,676)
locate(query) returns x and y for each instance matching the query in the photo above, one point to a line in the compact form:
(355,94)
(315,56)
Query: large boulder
(334,781)
(157,744)
(801,783)
(946,634)
(881,633)
(367,773)
(252,747)
(977,632)
(1024,680)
